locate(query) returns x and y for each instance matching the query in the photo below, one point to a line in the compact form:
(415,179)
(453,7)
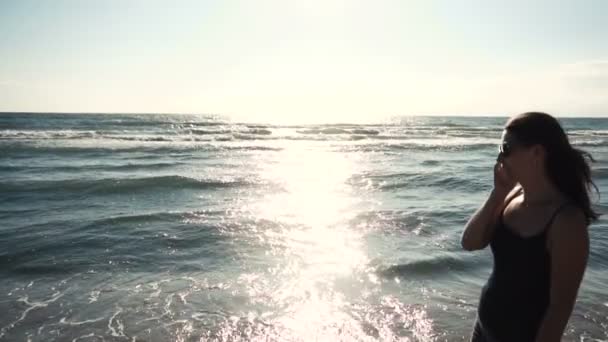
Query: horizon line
(488,115)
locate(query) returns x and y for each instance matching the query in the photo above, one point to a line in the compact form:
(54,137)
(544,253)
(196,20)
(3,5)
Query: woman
(535,221)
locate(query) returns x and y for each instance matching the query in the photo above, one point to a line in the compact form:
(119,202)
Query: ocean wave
(45,134)
(143,138)
(211,123)
(120,185)
(79,254)
(81,168)
(389,221)
(252,148)
(158,216)
(435,265)
(45,269)
(139,138)
(474,134)
(60,247)
(73,135)
(365,131)
(412,180)
(165,135)
(400,147)
(419,222)
(258,126)
(209,131)
(25,149)
(259,131)
(168,121)
(240,136)
(139,218)
(337,130)
(589,143)
(414,137)
(250,131)
(430,162)
(449,183)
(599,173)
(587,133)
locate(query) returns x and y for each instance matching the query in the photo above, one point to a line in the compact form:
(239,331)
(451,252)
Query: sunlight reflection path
(320,253)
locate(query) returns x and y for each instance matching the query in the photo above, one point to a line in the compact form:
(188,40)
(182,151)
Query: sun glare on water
(322,260)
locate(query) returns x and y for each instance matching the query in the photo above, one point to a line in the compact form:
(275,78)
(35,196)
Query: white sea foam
(31,306)
(117,331)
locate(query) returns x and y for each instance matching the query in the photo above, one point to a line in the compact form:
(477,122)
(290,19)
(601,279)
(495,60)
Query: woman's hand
(503,181)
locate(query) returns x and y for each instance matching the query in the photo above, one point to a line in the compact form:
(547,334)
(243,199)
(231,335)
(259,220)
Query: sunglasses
(505,149)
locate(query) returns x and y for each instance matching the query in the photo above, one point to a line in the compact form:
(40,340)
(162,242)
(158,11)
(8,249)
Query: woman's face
(514,155)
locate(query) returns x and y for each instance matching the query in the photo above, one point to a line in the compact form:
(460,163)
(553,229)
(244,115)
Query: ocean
(198,228)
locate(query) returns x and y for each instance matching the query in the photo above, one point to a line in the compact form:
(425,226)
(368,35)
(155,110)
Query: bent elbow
(467,247)
(471,246)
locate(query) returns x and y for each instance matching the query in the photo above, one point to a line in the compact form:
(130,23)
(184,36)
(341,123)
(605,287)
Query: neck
(539,190)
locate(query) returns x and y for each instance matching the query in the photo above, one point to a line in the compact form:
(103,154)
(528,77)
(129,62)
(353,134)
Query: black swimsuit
(514,300)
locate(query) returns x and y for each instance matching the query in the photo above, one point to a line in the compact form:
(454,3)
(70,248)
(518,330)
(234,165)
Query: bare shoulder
(516,191)
(569,228)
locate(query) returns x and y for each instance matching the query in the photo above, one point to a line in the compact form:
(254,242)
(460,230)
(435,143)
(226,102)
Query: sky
(281,59)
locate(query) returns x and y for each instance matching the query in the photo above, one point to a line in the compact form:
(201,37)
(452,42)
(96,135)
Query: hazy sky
(315,58)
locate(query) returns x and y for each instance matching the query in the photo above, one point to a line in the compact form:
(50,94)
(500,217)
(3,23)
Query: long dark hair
(567,167)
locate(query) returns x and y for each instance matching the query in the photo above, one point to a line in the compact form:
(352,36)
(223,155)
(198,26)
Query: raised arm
(478,230)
